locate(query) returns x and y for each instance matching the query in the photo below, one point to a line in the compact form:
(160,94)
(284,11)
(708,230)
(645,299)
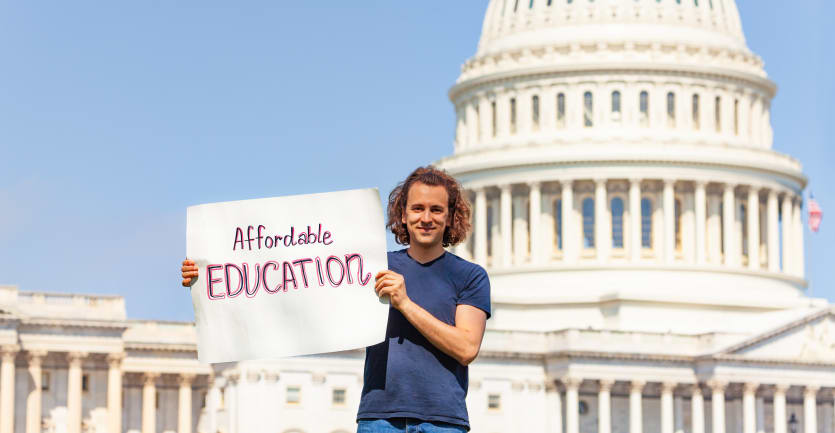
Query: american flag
(815,214)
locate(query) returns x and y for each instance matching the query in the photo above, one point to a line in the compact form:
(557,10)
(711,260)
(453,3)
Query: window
(338,397)
(156,400)
(493,118)
(45,377)
(696,115)
(617,222)
(643,108)
(717,111)
(671,110)
(722,227)
(85,382)
(736,116)
(477,124)
(558,224)
(678,224)
(203,398)
(743,217)
(535,111)
(561,110)
(294,395)
(515,5)
(588,223)
(494,401)
(588,110)
(616,105)
(646,223)
(512,115)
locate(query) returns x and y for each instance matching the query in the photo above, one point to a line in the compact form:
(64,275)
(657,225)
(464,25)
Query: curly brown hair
(458,205)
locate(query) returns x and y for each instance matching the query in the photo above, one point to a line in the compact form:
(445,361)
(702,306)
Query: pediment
(810,339)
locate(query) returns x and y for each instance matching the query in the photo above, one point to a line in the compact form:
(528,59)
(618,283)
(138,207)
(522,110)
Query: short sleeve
(476,290)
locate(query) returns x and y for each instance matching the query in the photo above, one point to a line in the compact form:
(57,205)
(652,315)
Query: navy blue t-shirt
(406,376)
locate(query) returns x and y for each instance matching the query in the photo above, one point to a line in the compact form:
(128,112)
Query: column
(495,233)
(184,412)
(718,404)
(114,391)
(669,221)
(604,406)
(780,408)
(554,409)
(728,223)
(787,234)
(507,237)
(773,250)
(212,403)
(635,219)
(635,413)
(753,228)
(481,226)
(74,359)
(569,228)
(7,358)
(534,218)
(34,410)
(678,414)
(749,420)
(714,222)
(667,407)
(810,410)
(800,262)
(701,220)
(520,230)
(572,408)
(602,219)
(760,415)
(697,410)
(472,124)
(149,403)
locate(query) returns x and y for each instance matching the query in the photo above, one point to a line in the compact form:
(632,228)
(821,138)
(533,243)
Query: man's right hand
(189,273)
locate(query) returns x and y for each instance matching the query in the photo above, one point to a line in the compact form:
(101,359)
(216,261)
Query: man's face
(427,214)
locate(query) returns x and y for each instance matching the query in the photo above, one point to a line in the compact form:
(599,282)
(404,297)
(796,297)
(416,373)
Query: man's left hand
(391,284)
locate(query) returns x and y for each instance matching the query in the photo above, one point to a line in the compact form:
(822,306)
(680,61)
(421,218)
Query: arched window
(617,222)
(558,224)
(736,116)
(561,110)
(616,105)
(717,112)
(743,217)
(512,115)
(722,227)
(478,122)
(588,110)
(696,115)
(535,111)
(646,223)
(643,108)
(588,223)
(678,224)
(671,110)
(493,118)
(515,5)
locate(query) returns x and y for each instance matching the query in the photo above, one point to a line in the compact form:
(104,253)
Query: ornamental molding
(510,78)
(161,347)
(75,323)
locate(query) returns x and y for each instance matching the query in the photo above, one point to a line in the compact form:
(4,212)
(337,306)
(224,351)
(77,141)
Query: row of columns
(513,247)
(671,415)
(9,353)
(485,118)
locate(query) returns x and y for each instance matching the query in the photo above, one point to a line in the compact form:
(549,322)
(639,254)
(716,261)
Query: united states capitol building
(644,244)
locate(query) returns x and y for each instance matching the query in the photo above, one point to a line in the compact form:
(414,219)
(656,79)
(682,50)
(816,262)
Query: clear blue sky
(116,116)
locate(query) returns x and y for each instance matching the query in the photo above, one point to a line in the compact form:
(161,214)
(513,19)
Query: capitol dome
(619,157)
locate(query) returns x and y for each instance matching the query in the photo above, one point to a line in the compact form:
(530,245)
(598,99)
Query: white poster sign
(288,275)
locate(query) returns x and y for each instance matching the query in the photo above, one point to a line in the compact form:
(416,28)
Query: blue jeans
(406,425)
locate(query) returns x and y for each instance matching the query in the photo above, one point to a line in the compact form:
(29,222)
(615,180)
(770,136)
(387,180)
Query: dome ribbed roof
(517,24)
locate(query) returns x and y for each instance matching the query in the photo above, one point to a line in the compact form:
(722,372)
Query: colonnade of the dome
(627,108)
(638,220)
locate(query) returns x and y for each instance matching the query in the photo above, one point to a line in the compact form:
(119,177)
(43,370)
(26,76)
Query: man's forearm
(455,342)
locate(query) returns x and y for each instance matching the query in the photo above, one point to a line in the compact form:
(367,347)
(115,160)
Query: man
(416,380)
